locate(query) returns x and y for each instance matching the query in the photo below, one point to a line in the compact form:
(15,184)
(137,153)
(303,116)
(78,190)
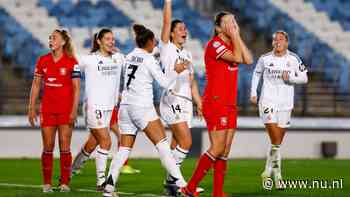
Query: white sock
(114,171)
(80,159)
(101,164)
(179,154)
(169,162)
(276,159)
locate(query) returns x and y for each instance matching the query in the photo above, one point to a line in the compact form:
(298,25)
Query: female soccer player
(280,69)
(102,69)
(59,72)
(222,54)
(176,110)
(137,111)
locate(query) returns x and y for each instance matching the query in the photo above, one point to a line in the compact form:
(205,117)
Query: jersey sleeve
(258,71)
(216,49)
(39,68)
(76,70)
(157,74)
(299,73)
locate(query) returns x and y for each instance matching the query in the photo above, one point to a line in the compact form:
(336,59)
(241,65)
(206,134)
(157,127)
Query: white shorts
(96,118)
(180,110)
(133,118)
(269,114)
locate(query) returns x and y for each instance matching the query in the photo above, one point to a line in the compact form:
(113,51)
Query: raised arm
(165,36)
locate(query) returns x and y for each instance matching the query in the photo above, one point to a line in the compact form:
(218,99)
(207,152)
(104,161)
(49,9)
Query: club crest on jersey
(100,62)
(223,121)
(216,44)
(45,70)
(271,65)
(63,71)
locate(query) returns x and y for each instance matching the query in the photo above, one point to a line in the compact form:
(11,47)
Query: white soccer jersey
(275,91)
(170,55)
(141,69)
(102,79)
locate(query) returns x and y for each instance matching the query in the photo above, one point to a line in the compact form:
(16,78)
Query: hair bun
(139,29)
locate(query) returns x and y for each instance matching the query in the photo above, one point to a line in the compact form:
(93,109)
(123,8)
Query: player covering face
(222,54)
(137,111)
(281,69)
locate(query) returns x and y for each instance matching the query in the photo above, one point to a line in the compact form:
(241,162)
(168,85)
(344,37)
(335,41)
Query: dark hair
(142,35)
(218,19)
(173,25)
(68,46)
(98,36)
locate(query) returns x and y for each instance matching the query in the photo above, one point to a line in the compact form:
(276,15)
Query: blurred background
(319,33)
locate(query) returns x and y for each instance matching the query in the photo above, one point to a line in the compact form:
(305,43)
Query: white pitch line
(80,190)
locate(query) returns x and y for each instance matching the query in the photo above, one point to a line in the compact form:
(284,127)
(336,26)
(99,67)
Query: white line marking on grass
(79,190)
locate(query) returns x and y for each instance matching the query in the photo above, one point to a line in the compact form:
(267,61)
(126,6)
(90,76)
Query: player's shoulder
(45,57)
(293,56)
(266,55)
(215,42)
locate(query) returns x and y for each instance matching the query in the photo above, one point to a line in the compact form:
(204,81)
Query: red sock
(46,165)
(126,162)
(204,164)
(66,165)
(220,167)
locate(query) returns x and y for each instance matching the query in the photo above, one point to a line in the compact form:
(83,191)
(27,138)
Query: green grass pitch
(22,178)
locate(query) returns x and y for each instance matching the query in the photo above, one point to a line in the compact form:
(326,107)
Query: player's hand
(72,117)
(285,76)
(230,26)
(181,66)
(254,100)
(32,116)
(115,50)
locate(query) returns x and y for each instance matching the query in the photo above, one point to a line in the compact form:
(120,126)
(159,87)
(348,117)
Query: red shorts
(114,118)
(219,117)
(53,119)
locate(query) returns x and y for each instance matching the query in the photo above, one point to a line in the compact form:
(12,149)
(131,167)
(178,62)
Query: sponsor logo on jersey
(223,121)
(63,71)
(45,70)
(271,64)
(51,79)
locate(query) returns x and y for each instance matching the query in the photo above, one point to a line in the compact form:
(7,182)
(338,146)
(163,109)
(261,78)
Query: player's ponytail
(98,36)
(217,21)
(142,35)
(68,47)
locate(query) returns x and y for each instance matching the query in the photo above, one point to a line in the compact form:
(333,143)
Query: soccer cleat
(186,193)
(75,172)
(64,188)
(199,190)
(278,181)
(129,170)
(101,187)
(170,188)
(47,188)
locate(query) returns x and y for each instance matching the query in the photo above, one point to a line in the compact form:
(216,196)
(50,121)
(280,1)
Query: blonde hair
(68,46)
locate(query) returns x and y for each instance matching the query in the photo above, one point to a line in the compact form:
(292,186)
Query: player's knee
(106,143)
(217,151)
(185,144)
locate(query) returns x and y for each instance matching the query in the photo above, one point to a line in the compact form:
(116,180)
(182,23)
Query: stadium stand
(28,23)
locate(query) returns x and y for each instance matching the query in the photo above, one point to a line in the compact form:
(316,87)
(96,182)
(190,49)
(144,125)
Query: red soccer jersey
(221,75)
(57,77)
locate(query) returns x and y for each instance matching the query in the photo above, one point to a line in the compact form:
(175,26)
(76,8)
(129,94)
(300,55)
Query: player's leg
(126,143)
(126,169)
(64,138)
(48,138)
(208,159)
(156,133)
(220,166)
(104,140)
(84,154)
